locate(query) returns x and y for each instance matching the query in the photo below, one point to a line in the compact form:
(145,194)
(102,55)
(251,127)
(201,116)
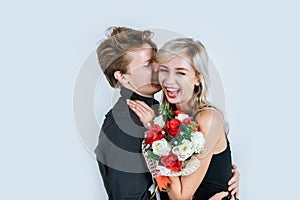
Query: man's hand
(219,196)
(233,183)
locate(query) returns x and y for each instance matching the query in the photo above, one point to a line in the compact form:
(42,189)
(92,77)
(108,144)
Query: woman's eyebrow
(181,68)
(163,66)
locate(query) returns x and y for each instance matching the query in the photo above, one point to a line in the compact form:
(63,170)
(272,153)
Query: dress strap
(203,108)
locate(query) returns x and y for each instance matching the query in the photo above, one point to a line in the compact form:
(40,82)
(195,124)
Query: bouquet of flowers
(170,143)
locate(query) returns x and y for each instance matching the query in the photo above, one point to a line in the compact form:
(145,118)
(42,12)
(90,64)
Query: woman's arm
(210,121)
(184,187)
(211,125)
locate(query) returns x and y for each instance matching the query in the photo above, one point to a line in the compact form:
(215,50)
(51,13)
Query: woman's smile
(171,92)
(178,79)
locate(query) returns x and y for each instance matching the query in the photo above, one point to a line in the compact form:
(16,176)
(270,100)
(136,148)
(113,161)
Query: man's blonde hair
(112,51)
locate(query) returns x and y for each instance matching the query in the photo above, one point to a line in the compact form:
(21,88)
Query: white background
(254,45)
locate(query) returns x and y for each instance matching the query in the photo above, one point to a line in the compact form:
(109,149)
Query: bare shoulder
(208,118)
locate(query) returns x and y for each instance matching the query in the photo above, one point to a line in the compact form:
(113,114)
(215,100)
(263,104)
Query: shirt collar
(128,94)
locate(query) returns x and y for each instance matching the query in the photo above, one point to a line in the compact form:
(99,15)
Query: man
(126,58)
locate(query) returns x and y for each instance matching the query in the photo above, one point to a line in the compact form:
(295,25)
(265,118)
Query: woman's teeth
(172,92)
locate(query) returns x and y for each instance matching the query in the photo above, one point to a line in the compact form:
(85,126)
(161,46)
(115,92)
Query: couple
(130,61)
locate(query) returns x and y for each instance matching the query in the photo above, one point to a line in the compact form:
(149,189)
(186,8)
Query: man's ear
(120,77)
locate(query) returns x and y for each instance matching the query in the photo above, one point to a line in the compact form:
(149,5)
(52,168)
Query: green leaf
(153,156)
(166,112)
(187,136)
(170,139)
(183,127)
(179,141)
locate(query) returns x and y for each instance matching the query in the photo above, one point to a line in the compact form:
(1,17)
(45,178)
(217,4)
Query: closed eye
(163,68)
(181,73)
(148,64)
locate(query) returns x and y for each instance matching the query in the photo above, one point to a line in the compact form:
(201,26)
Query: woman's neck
(189,108)
(185,108)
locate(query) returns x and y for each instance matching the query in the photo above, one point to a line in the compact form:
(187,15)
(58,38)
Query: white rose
(161,147)
(181,117)
(184,150)
(159,121)
(198,142)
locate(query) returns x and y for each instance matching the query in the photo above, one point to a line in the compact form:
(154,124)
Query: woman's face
(177,78)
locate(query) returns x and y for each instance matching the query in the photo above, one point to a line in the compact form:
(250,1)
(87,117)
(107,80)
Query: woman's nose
(169,78)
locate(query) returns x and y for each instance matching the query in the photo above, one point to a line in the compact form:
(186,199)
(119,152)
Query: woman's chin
(172,100)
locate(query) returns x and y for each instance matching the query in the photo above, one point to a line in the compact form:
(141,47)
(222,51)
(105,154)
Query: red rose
(197,128)
(172,127)
(177,112)
(154,134)
(171,162)
(187,121)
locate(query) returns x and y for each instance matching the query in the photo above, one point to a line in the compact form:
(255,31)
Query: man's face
(142,73)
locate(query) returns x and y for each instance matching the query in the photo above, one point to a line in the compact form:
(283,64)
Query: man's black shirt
(119,155)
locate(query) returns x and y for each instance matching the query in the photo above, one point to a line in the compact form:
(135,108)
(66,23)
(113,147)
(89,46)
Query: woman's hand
(233,183)
(143,111)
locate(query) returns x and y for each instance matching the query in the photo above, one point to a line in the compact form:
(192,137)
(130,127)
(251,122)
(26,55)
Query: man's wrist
(148,125)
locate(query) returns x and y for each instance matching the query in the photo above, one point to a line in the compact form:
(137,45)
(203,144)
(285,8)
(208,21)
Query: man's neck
(143,95)
(137,92)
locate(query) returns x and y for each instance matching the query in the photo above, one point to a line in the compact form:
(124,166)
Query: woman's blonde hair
(198,58)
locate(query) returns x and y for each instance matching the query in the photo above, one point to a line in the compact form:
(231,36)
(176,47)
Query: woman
(183,75)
